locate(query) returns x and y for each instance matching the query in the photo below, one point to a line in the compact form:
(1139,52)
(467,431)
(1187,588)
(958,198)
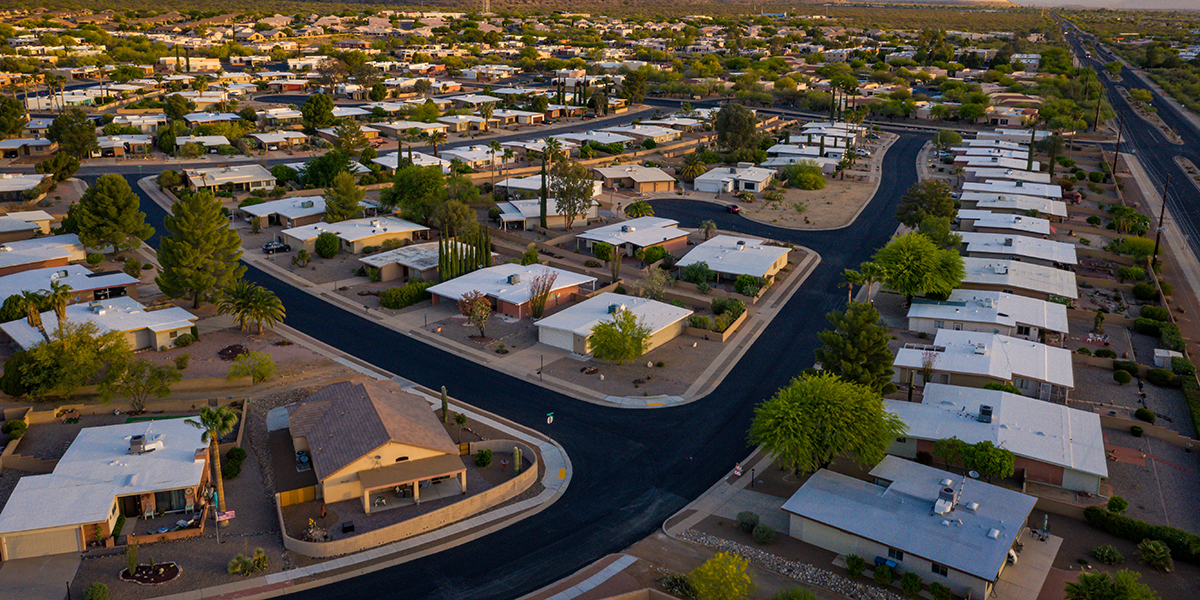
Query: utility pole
(1161,214)
(1117,150)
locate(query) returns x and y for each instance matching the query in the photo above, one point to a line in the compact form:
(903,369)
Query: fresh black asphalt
(631,468)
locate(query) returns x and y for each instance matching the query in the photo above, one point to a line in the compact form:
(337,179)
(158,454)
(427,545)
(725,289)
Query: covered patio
(404,483)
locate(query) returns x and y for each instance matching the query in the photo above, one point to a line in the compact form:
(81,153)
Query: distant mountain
(1123,4)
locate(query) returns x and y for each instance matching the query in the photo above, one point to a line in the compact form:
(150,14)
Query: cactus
(131,558)
(445,407)
(516,460)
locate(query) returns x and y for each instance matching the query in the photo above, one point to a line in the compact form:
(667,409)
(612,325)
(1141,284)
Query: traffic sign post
(549,420)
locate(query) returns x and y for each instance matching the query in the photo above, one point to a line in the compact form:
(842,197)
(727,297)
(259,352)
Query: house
(398,129)
(142,328)
(974,359)
(528,212)
(643,180)
(85,285)
(21,147)
(211,143)
(995,312)
(279,140)
(518,117)
(596,137)
(984,174)
(330,134)
(122,145)
(680,123)
(275,117)
(393,160)
(367,438)
(655,133)
(242,178)
(14,187)
(1018,136)
(417,261)
(14,227)
(507,286)
(133,469)
(636,234)
(40,253)
(286,212)
(1052,210)
(1051,443)
(571,328)
(1016,277)
(354,234)
(923,520)
(983,221)
(204,118)
(744,177)
(1037,251)
(732,256)
(476,157)
(145,123)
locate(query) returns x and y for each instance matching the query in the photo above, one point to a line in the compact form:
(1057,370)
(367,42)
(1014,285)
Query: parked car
(273,247)
(733,208)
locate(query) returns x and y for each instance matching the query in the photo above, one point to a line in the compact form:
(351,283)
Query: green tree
(820,417)
(477,308)
(736,127)
(202,253)
(938,230)
(572,185)
(378,93)
(623,338)
(416,191)
(108,215)
(1122,585)
(989,460)
(951,451)
(13,117)
(169,179)
(343,200)
(722,577)
(327,244)
(947,138)
(634,86)
(1156,554)
(258,366)
(320,171)
(60,165)
(452,217)
(213,424)
(924,198)
(138,380)
(74,356)
(348,135)
(856,348)
(693,167)
(641,208)
(176,107)
(317,112)
(251,303)
(912,264)
(75,133)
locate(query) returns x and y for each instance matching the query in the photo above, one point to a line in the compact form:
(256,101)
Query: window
(901,440)
(174,333)
(402,459)
(895,554)
(939,569)
(1023,330)
(939,324)
(958,326)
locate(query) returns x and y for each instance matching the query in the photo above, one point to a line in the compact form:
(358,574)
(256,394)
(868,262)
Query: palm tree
(250,302)
(709,227)
(265,308)
(850,278)
(59,296)
(435,138)
(486,110)
(693,167)
(508,156)
(214,423)
(641,208)
(549,153)
(33,310)
(871,273)
(494,147)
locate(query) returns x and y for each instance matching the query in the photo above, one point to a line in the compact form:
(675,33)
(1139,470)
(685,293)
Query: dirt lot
(683,360)
(835,206)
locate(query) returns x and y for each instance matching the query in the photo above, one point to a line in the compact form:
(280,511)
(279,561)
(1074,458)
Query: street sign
(549,419)
(226,516)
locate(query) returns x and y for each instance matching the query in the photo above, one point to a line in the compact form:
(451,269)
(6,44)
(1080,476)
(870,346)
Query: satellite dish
(973,474)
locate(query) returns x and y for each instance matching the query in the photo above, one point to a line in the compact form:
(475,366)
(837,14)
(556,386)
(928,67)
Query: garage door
(557,338)
(41,543)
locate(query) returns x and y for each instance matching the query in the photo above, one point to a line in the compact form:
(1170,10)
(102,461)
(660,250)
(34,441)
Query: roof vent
(994,534)
(947,482)
(985,414)
(5,249)
(1020,184)
(514,279)
(615,308)
(1009,241)
(973,506)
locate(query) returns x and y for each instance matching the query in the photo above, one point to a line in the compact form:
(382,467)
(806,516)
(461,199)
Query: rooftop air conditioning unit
(627,228)
(980,349)
(5,249)
(985,414)
(1008,242)
(514,279)
(1000,269)
(141,444)
(615,308)
(945,500)
(306,204)
(1020,184)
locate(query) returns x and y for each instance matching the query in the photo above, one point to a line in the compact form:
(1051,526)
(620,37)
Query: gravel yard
(1095,386)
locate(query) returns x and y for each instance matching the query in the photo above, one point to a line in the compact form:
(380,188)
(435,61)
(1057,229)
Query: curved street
(632,468)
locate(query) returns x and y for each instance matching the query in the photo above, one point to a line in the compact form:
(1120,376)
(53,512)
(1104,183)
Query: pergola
(406,477)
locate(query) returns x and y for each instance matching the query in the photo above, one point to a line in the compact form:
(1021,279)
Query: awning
(407,471)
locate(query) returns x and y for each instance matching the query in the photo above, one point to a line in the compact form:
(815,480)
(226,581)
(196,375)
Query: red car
(733,208)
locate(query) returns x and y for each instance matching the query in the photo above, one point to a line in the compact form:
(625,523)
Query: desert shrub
(731,307)
(95,258)
(592,263)
(1125,365)
(133,267)
(910,584)
(1162,378)
(1146,326)
(764,534)
(1136,431)
(326,245)
(96,591)
(1156,554)
(1117,505)
(654,254)
(678,585)
(405,295)
(1122,377)
(747,521)
(1182,367)
(181,361)
(1093,220)
(1183,545)
(185,340)
(747,285)
(14,429)
(1171,337)
(1131,273)
(231,469)
(483,458)
(1144,414)
(1106,353)
(1082,350)
(1108,554)
(939,591)
(1156,313)
(236,453)
(884,575)
(697,273)
(1167,289)
(855,565)
(1144,291)
(700,322)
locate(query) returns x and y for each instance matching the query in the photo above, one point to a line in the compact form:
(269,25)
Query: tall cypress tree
(201,255)
(441,259)
(108,215)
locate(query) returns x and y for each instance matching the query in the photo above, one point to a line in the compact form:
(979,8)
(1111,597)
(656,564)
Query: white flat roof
(474,99)
(990,173)
(292,208)
(355,229)
(642,232)
(744,173)
(900,514)
(97,469)
(582,317)
(673,122)
(519,210)
(996,308)
(223,175)
(1052,192)
(600,137)
(12,182)
(724,254)
(642,130)
(416,256)
(1002,357)
(995,201)
(493,281)
(40,249)
(637,173)
(1018,223)
(1019,245)
(77,276)
(116,314)
(276,137)
(1043,431)
(997,162)
(1019,275)
(203,140)
(392,160)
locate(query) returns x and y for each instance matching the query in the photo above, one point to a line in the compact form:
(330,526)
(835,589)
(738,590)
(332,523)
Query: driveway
(44,578)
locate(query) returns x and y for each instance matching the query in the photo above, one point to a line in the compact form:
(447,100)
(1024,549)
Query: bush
(747,285)
(654,254)
(678,585)
(592,263)
(1162,378)
(1136,431)
(185,340)
(1108,554)
(236,453)
(700,322)
(1183,545)
(96,591)
(181,361)
(1144,414)
(231,469)
(1106,353)
(1144,291)
(483,458)
(855,565)
(1131,273)
(910,584)
(1156,554)
(94,258)
(1167,289)
(14,429)
(1093,220)
(1171,337)
(1082,350)
(405,295)
(747,521)
(697,273)
(939,591)
(1156,313)
(884,575)
(1182,367)
(133,268)
(1117,505)
(764,534)
(1125,365)
(326,245)
(1122,377)
(730,307)
(1146,326)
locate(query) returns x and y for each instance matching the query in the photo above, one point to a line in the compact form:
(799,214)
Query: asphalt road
(632,468)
